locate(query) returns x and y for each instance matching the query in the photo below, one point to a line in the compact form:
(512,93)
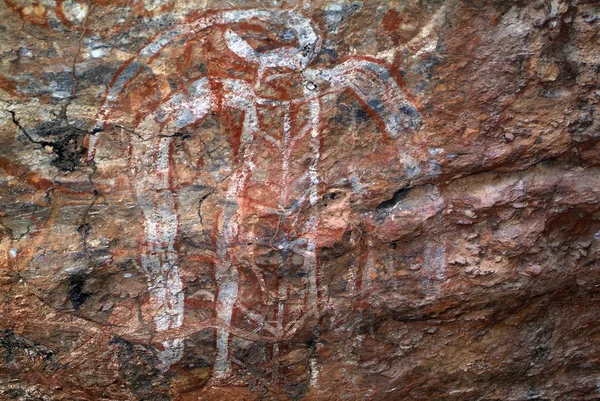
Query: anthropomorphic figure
(284,128)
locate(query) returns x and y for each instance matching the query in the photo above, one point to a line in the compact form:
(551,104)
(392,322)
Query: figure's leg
(150,162)
(238,96)
(312,226)
(310,260)
(227,276)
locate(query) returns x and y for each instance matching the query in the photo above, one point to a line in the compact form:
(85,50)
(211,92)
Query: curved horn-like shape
(294,58)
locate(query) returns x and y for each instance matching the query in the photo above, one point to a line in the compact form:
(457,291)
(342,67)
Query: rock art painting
(292,132)
(299,200)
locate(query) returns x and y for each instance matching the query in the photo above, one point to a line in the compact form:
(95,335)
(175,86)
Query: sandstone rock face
(299,200)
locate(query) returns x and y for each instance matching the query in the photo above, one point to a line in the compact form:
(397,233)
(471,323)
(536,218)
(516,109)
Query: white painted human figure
(371,82)
(151,170)
(158,259)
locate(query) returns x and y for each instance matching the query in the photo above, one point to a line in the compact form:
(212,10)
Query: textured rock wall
(299,200)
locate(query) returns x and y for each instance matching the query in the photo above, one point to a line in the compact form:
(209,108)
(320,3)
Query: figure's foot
(220,378)
(171,354)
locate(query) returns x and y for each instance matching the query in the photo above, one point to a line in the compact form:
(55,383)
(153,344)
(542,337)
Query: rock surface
(300,200)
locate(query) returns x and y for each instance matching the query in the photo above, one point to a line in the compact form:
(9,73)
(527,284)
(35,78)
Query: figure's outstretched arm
(376,88)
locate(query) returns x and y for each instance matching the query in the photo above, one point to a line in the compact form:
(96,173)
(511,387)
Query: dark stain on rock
(337,250)
(139,372)
(350,111)
(15,348)
(76,294)
(297,391)
(99,75)
(60,81)
(66,144)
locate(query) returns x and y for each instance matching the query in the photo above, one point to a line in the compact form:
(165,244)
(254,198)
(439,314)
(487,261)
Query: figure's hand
(183,109)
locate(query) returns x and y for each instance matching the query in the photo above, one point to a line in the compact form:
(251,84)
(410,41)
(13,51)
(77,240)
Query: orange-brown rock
(300,200)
